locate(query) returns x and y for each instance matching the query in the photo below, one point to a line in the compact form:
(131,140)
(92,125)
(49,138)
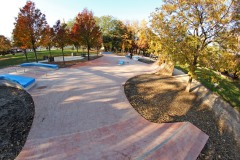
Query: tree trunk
(25,53)
(189,84)
(191,73)
(88,48)
(97,50)
(77,48)
(49,50)
(235,76)
(34,50)
(63,56)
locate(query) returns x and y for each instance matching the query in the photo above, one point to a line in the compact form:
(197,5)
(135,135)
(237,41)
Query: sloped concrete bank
(228,117)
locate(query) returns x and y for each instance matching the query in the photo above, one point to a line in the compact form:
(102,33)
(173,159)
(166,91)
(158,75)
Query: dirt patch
(75,62)
(163,100)
(16,117)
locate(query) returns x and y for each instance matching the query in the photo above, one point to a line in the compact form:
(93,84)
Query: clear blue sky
(68,9)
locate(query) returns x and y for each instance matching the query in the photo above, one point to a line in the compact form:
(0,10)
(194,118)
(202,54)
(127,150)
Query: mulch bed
(16,117)
(164,100)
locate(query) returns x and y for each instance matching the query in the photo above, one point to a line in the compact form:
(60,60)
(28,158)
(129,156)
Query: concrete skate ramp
(83,113)
(23,81)
(53,66)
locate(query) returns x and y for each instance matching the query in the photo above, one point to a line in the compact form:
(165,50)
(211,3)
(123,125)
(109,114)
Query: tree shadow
(173,104)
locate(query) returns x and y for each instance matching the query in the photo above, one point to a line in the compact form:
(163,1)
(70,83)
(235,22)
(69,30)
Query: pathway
(82,113)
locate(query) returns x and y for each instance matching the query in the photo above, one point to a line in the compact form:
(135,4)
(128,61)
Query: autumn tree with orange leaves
(47,38)
(87,31)
(98,43)
(61,38)
(5,44)
(29,26)
(74,39)
(20,38)
(142,37)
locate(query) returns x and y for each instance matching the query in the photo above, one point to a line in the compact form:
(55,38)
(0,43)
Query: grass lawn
(228,89)
(9,59)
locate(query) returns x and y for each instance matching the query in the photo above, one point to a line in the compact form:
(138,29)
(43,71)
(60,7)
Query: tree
(86,28)
(5,44)
(116,35)
(229,58)
(128,37)
(70,23)
(236,17)
(107,25)
(138,32)
(230,63)
(29,26)
(98,43)
(187,29)
(47,38)
(61,38)
(75,37)
(142,37)
(231,44)
(20,35)
(154,43)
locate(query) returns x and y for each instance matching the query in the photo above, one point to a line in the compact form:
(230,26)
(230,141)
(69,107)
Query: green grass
(10,60)
(228,89)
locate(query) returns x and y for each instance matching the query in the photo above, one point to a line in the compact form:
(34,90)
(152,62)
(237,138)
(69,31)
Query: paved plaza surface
(82,113)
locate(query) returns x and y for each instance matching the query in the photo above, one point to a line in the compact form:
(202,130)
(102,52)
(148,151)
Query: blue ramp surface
(22,80)
(53,66)
(121,62)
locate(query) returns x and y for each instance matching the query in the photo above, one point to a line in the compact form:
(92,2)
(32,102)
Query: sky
(68,9)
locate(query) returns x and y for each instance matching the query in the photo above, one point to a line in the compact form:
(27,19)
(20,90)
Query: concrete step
(134,138)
